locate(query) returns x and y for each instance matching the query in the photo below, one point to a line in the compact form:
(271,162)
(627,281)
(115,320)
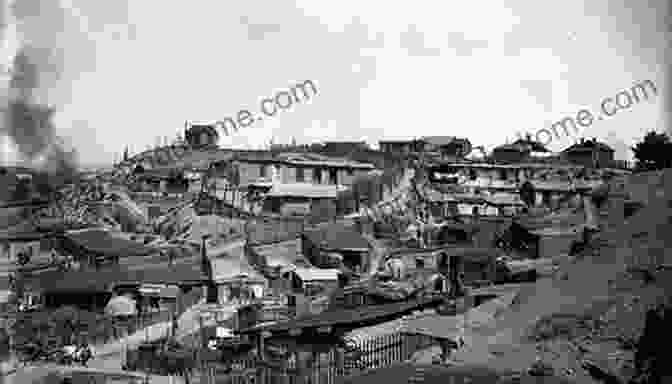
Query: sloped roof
(281,254)
(337,237)
(588,145)
(442,140)
(523,145)
(532,145)
(229,268)
(345,316)
(102,242)
(102,280)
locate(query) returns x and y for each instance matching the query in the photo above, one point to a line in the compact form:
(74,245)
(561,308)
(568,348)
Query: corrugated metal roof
(316,274)
(346,316)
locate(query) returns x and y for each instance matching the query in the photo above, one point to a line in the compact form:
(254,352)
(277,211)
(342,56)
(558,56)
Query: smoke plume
(27,120)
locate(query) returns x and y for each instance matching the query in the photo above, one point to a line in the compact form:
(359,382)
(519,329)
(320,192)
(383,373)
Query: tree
(653,152)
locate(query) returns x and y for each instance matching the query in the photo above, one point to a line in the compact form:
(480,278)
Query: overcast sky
(135,70)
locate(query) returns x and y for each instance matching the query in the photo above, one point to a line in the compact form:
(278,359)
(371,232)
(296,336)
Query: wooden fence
(323,368)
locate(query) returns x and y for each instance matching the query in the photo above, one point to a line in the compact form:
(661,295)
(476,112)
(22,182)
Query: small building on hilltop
(448,147)
(397,147)
(344,146)
(590,153)
(523,149)
(201,135)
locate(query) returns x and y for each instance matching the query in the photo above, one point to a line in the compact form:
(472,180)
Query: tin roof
(344,316)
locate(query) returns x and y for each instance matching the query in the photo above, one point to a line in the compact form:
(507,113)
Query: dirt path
(503,344)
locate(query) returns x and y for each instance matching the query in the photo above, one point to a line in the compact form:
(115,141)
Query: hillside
(594,308)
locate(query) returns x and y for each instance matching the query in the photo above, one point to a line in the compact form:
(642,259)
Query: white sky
(135,70)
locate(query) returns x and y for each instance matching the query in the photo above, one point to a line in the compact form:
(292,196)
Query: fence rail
(317,368)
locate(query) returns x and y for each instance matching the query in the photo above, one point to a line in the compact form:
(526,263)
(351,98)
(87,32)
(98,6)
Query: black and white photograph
(319,192)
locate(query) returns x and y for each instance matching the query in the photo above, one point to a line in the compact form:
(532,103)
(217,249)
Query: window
(350,171)
(333,176)
(262,170)
(502,174)
(317,175)
(300,176)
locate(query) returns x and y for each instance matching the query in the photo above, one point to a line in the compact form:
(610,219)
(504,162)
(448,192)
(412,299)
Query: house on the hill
(344,146)
(524,149)
(287,168)
(590,153)
(448,147)
(397,147)
(201,135)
